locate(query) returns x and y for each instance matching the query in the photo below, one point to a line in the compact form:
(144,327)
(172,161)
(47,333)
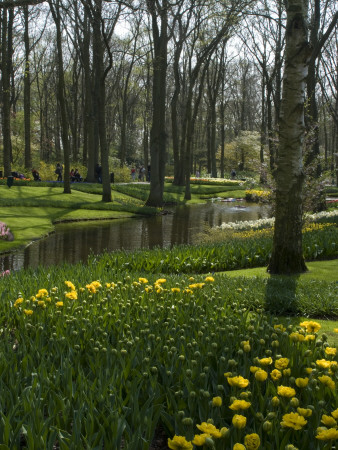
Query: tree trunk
(100,96)
(158,132)
(287,255)
(27,94)
(89,122)
(55,9)
(7,25)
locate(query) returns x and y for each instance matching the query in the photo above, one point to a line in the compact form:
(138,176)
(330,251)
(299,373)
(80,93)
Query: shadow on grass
(280,295)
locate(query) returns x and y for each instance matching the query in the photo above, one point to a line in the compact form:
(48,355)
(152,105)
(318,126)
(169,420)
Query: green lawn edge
(319,270)
(29,224)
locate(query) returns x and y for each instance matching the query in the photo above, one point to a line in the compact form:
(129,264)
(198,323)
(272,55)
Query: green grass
(31,211)
(175,194)
(54,196)
(318,270)
(29,224)
(111,365)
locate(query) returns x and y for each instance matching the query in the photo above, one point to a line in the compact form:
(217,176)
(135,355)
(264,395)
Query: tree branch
(15,3)
(324,38)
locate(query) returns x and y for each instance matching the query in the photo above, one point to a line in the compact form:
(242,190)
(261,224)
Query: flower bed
(5,232)
(209,181)
(102,362)
(255,195)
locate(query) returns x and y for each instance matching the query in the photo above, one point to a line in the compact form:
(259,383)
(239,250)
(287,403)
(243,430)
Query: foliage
(122,354)
(234,251)
(245,147)
(121,174)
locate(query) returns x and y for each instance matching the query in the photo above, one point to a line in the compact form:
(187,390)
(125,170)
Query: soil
(160,440)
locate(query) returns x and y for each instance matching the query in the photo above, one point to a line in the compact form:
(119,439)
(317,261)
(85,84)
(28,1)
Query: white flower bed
(267,223)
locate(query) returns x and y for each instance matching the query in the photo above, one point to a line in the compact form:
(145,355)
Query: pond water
(75,242)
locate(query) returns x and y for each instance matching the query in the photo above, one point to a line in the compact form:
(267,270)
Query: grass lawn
(175,194)
(31,212)
(31,223)
(318,270)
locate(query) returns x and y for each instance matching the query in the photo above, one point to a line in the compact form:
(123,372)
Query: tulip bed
(101,362)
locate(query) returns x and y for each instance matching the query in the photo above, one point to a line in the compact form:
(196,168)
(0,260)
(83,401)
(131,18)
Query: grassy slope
(31,211)
(175,194)
(34,210)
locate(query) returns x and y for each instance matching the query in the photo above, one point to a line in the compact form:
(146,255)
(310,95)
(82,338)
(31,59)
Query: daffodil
(209,279)
(327,381)
(293,420)
(302,382)
(261,375)
(285,391)
(311,326)
(238,446)
(217,401)
(42,293)
(70,285)
(330,351)
(18,302)
(276,374)
(252,441)
(179,443)
(175,290)
(199,439)
(265,361)
(305,412)
(238,405)
(328,421)
(310,337)
(281,363)
(327,435)
(239,421)
(335,414)
(72,295)
(238,381)
(209,428)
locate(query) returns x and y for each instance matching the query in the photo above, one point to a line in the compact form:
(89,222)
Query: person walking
(58,171)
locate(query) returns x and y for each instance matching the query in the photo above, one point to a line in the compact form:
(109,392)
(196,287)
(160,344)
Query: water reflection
(74,243)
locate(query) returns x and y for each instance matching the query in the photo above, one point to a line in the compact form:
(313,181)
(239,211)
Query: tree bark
(287,254)
(7,35)
(158,131)
(27,93)
(55,10)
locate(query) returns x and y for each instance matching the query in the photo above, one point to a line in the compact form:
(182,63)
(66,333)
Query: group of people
(74,175)
(143,174)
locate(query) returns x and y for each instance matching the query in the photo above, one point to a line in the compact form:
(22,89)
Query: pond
(75,242)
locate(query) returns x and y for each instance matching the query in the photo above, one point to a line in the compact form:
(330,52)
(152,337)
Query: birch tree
(287,255)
